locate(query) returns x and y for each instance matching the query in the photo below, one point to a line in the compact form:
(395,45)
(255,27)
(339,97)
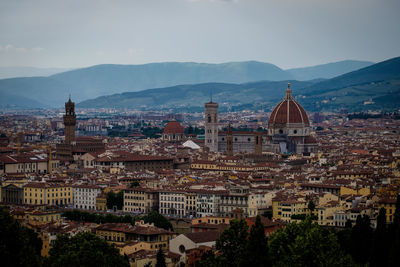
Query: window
(182,249)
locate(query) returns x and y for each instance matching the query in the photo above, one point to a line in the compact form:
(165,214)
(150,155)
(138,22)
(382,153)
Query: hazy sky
(288,33)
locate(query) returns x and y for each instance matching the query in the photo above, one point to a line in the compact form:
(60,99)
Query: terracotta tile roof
(203,237)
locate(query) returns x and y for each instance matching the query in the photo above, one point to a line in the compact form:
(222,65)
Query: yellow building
(132,247)
(326,213)
(285,209)
(101,202)
(211,220)
(37,193)
(191,203)
(36,217)
(390,206)
(140,199)
(119,233)
(40,217)
(350,191)
(45,243)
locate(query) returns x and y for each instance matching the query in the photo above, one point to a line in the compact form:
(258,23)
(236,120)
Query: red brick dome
(173,127)
(288,111)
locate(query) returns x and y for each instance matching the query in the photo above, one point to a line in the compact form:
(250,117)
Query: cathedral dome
(288,111)
(173,127)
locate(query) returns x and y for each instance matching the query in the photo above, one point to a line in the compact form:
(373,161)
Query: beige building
(25,164)
(139,199)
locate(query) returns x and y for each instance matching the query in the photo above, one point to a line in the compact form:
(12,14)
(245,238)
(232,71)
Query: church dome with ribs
(288,111)
(173,127)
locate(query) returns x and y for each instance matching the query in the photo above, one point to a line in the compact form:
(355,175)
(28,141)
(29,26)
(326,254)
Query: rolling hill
(99,80)
(378,84)
(329,70)
(185,96)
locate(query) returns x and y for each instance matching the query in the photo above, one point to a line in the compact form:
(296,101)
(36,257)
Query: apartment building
(139,199)
(172,203)
(38,193)
(85,196)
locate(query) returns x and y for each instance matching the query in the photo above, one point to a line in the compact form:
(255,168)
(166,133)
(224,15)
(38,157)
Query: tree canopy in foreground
(84,249)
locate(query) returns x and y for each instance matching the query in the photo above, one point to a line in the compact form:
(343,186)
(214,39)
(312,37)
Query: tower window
(295,131)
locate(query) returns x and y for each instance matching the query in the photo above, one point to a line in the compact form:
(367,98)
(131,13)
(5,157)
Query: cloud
(13,49)
(37,49)
(99,53)
(134,52)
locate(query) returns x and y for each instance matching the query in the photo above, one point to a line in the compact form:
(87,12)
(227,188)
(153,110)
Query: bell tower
(229,141)
(69,121)
(211,125)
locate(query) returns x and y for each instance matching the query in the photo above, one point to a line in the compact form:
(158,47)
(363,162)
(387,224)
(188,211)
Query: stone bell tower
(69,121)
(211,126)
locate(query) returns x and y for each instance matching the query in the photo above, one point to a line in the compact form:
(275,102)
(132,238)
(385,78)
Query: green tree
(257,245)
(115,200)
(311,206)
(160,259)
(361,239)
(267,214)
(232,243)
(19,246)
(158,220)
(379,255)
(306,244)
(134,184)
(84,249)
(208,259)
(394,233)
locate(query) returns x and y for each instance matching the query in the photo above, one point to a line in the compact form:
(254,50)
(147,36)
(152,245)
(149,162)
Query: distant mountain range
(327,71)
(370,88)
(100,80)
(14,72)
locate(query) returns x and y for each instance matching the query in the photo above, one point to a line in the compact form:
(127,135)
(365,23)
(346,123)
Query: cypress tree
(394,255)
(257,247)
(379,255)
(160,259)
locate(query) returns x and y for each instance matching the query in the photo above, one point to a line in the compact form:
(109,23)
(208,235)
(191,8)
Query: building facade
(172,203)
(211,126)
(37,193)
(141,200)
(85,196)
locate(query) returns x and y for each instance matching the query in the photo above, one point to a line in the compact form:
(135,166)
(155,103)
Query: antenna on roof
(210,95)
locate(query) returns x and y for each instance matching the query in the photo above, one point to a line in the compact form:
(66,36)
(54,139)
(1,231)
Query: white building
(185,242)
(172,203)
(84,196)
(207,204)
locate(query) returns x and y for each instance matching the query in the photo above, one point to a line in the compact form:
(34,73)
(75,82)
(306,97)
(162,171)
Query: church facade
(289,131)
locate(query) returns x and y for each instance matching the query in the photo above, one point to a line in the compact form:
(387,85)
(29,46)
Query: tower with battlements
(69,122)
